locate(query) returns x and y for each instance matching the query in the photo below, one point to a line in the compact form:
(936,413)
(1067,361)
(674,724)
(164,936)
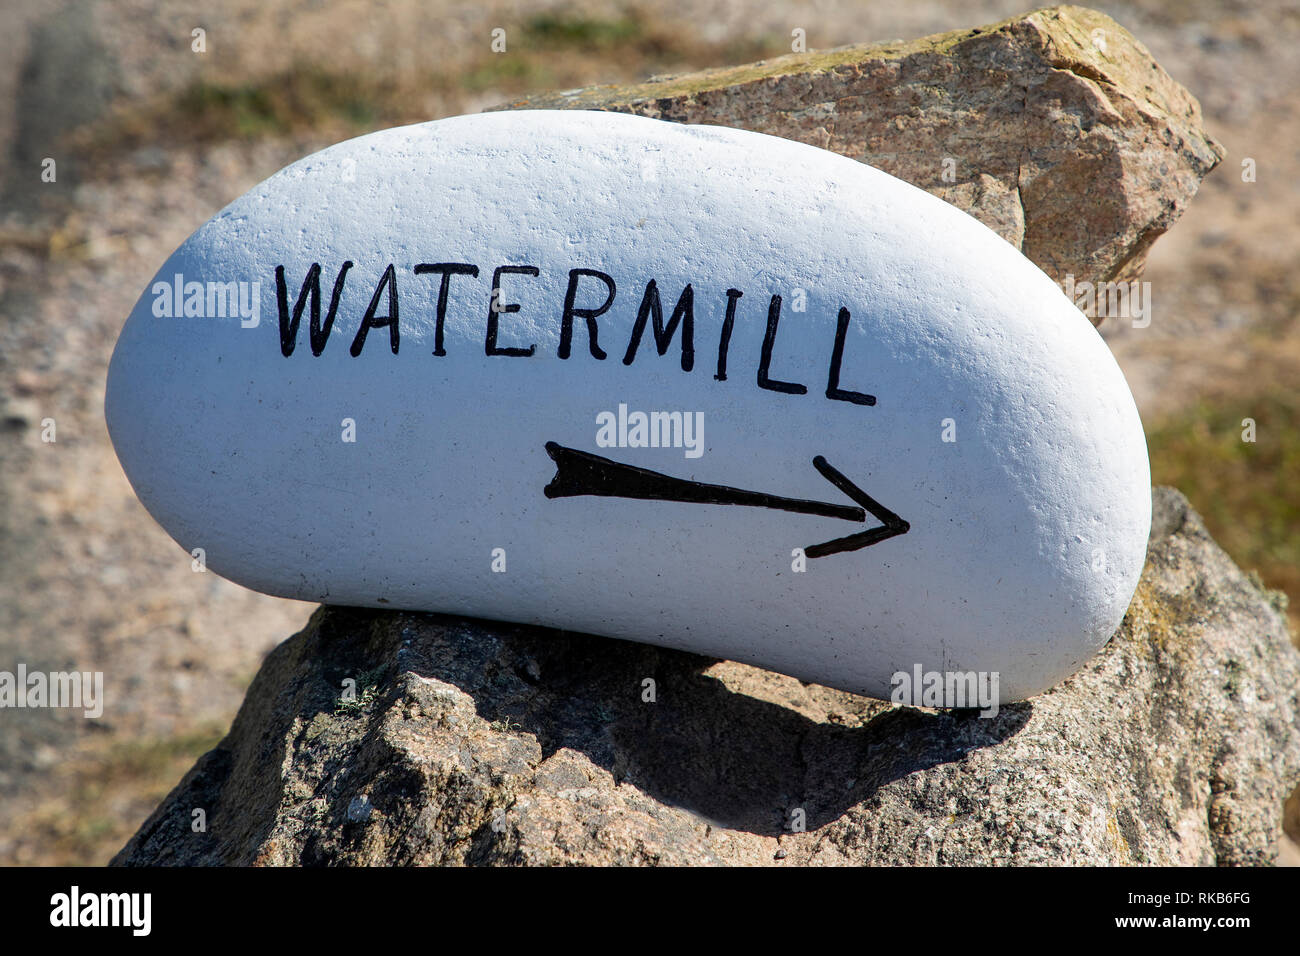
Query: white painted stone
(1026,534)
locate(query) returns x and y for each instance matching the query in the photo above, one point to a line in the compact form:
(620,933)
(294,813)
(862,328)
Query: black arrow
(582,473)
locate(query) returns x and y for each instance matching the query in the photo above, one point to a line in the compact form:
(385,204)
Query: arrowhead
(891,524)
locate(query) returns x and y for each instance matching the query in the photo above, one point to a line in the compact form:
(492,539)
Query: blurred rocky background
(153,128)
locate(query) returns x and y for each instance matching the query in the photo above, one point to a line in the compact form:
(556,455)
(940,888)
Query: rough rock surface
(477,743)
(1056,129)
